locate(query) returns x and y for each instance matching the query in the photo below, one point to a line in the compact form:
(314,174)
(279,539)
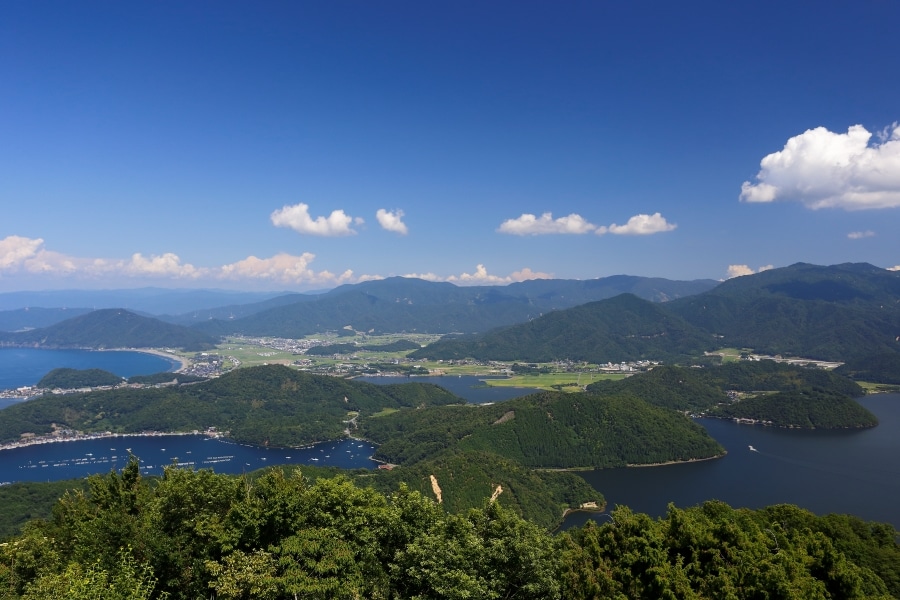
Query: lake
(70,460)
(854,472)
(25,366)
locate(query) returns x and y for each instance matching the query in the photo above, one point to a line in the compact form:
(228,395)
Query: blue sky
(299,145)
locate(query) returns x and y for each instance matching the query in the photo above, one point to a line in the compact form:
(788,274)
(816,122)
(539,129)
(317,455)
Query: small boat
(752,449)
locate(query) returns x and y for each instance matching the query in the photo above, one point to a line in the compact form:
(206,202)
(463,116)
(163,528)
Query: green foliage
(712,551)
(26,501)
(876,368)
(545,430)
(269,405)
(829,313)
(196,534)
(807,397)
(400,304)
(621,328)
(808,408)
(164,377)
(468,478)
(66,378)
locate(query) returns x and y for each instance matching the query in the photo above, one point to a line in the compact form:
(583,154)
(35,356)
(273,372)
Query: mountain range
(840,312)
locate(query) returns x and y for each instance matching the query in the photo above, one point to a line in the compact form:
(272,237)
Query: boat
(752,449)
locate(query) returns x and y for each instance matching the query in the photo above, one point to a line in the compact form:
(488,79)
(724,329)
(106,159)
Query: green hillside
(77,378)
(399,304)
(545,430)
(270,405)
(828,313)
(111,328)
(619,329)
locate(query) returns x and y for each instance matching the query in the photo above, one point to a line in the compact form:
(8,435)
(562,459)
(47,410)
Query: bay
(848,471)
(69,460)
(471,388)
(25,366)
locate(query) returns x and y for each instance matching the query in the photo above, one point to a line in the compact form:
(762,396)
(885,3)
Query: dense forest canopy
(274,535)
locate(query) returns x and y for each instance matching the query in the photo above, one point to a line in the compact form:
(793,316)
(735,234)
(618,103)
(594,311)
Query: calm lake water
(856,472)
(69,460)
(25,366)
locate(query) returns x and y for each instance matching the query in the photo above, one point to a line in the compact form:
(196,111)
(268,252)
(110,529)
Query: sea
(25,366)
(852,471)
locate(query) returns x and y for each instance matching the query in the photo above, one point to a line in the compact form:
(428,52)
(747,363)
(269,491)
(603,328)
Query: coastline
(80,437)
(676,462)
(182,362)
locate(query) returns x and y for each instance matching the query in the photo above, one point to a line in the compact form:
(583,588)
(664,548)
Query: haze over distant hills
(838,312)
(405,304)
(829,313)
(110,328)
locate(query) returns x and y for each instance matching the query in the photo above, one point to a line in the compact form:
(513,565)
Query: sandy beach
(183,362)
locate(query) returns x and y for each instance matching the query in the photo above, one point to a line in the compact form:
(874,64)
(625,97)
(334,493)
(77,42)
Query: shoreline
(182,363)
(81,437)
(676,462)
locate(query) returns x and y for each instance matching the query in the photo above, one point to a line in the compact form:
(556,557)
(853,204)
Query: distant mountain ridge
(828,313)
(111,328)
(400,304)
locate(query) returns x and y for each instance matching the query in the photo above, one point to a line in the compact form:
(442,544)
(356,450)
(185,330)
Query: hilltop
(111,328)
(828,313)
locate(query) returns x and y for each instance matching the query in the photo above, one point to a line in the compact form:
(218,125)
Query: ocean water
(25,366)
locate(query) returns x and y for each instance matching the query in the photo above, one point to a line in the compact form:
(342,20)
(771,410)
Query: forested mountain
(111,328)
(405,304)
(195,534)
(66,378)
(270,405)
(828,313)
(547,430)
(777,394)
(623,328)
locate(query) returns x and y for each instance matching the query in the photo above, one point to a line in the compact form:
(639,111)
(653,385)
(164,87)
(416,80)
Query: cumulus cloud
(858,235)
(640,225)
(165,265)
(824,169)
(16,250)
(392,221)
(297,217)
(482,277)
(897,268)
(739,270)
(528,224)
(282,268)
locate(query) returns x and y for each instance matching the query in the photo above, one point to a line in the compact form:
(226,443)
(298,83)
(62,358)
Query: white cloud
(165,265)
(823,169)
(640,225)
(282,268)
(528,224)
(15,250)
(897,268)
(297,217)
(482,277)
(740,270)
(858,235)
(392,221)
